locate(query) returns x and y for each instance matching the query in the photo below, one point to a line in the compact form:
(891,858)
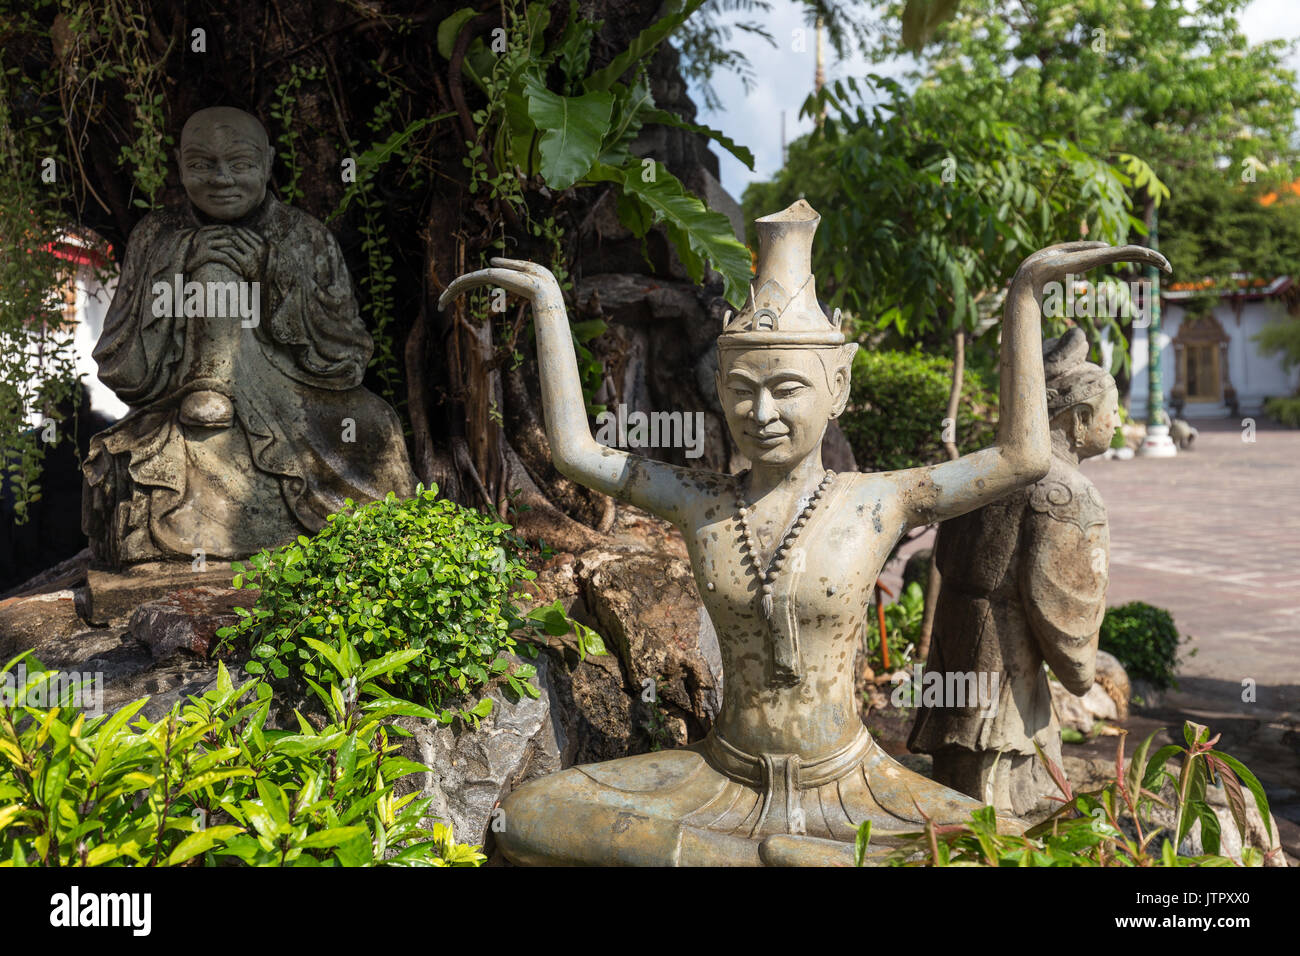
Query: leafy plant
(1282,337)
(1145,640)
(555,622)
(210,783)
(425,578)
(902,625)
(582,134)
(927,211)
(895,416)
(1109,826)
(1285,410)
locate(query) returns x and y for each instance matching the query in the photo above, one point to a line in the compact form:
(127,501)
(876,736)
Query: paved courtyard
(1214,536)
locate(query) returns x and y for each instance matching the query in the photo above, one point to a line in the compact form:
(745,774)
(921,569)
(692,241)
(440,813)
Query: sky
(786,77)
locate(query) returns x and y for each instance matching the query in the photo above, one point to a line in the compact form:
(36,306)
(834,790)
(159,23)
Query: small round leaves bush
(395,575)
(1145,640)
(897,406)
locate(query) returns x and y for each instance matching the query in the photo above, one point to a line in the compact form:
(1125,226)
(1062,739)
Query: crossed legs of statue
(676,808)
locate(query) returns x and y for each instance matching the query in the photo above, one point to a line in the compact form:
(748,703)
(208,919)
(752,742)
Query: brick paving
(1214,536)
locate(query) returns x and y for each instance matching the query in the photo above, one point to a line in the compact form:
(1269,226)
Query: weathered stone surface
(111,597)
(245,429)
(1024,585)
(473,768)
(1081,713)
(122,667)
(25,621)
(1107,699)
(647,609)
(1113,679)
(187,619)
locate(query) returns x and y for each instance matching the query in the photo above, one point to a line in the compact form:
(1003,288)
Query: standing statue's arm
(1022,452)
(652,485)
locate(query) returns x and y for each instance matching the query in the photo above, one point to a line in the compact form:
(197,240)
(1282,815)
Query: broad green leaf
(572,127)
(1253,785)
(201,842)
(665,118)
(449,29)
(388,663)
(922,17)
(861,840)
(336,660)
(643,44)
(331,837)
(391,707)
(698,232)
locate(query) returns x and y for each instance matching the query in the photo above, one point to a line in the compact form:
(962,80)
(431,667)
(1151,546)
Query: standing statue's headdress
(782,309)
(1070,377)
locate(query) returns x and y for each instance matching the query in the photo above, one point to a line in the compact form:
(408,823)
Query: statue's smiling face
(779,400)
(225,163)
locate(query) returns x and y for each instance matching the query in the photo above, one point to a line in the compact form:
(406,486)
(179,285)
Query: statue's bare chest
(828,567)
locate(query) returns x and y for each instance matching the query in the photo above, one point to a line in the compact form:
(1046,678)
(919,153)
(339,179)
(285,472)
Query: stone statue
(785,556)
(1024,582)
(235,338)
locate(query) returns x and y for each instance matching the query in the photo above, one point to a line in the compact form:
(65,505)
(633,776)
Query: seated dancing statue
(235,338)
(784,556)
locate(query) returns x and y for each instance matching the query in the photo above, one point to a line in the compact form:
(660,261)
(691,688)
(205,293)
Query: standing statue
(235,338)
(1024,582)
(785,556)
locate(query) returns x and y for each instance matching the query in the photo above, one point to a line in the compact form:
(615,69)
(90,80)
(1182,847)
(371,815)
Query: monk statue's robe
(301,434)
(1024,584)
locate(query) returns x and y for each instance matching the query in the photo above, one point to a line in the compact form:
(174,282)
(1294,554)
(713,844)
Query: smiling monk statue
(235,338)
(785,556)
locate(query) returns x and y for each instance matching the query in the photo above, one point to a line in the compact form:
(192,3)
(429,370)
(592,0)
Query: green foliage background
(896,408)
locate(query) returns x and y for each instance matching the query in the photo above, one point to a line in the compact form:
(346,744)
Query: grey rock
(1082,713)
(472,769)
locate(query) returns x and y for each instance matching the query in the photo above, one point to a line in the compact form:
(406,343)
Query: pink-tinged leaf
(1254,786)
(1232,790)
(1058,776)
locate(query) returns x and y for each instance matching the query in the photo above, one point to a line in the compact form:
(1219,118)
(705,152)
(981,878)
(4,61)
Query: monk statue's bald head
(225,160)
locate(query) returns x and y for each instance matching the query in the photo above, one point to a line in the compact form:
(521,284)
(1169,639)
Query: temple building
(1212,366)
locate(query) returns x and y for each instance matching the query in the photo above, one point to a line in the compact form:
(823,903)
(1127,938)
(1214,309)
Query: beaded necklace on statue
(767,577)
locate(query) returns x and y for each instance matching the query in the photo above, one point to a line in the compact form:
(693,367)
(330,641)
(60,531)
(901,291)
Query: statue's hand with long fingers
(574,451)
(528,279)
(1075,258)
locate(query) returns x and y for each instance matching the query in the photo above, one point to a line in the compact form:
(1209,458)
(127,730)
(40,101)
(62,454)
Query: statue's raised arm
(1022,451)
(653,485)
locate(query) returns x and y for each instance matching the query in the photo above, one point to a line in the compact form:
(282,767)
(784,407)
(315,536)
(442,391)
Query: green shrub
(1285,411)
(209,784)
(1109,826)
(422,574)
(1145,640)
(897,406)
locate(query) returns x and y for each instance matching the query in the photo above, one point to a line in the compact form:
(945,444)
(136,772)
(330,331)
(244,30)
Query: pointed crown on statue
(782,310)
